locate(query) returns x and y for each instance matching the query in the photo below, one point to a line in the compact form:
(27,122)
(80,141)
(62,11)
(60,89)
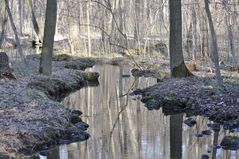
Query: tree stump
(5,70)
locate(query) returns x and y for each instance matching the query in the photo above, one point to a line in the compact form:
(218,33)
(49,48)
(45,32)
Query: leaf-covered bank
(196,96)
(30,116)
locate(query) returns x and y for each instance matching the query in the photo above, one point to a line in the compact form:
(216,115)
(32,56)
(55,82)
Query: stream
(122,128)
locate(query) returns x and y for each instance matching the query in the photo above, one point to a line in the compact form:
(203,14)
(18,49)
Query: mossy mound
(80,64)
(31,117)
(195,96)
(64,57)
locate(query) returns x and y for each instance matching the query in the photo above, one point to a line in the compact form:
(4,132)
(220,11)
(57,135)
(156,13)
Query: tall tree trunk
(177,65)
(136,24)
(229,20)
(34,21)
(214,44)
(20,15)
(4,24)
(88,27)
(48,40)
(203,29)
(14,30)
(194,31)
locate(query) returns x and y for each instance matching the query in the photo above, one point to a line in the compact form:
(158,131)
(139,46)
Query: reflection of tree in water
(138,133)
(176,130)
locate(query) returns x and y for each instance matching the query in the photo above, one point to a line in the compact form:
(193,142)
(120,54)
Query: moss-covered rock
(230,143)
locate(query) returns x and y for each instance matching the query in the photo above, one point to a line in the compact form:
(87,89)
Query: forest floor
(31,117)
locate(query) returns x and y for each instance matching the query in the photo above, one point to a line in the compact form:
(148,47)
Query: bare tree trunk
(136,24)
(214,44)
(177,65)
(88,27)
(34,22)
(203,29)
(48,40)
(20,15)
(14,30)
(229,23)
(194,31)
(4,24)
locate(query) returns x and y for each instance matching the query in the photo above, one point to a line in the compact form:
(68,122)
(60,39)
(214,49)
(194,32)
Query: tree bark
(177,65)
(203,29)
(88,27)
(34,22)
(14,30)
(48,40)
(4,24)
(214,43)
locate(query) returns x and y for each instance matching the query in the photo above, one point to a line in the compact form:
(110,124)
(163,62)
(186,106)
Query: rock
(141,73)
(152,104)
(82,126)
(206,132)
(75,119)
(80,137)
(190,122)
(204,156)
(125,76)
(217,146)
(64,141)
(91,78)
(76,112)
(45,147)
(43,153)
(199,135)
(72,130)
(215,127)
(230,143)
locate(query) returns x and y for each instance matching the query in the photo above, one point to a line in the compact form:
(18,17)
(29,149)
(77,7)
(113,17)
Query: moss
(64,57)
(146,99)
(50,86)
(80,64)
(181,71)
(191,67)
(91,76)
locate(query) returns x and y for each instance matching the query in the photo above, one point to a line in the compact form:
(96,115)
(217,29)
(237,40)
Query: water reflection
(122,128)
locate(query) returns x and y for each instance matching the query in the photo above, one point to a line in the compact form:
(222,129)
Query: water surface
(122,128)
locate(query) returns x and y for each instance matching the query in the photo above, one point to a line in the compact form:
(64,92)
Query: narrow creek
(122,128)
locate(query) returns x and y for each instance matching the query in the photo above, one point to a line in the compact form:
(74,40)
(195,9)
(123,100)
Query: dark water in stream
(122,128)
